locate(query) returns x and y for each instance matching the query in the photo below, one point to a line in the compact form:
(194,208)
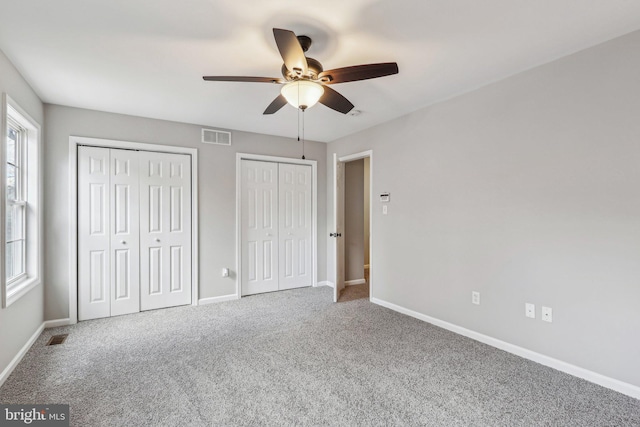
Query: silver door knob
(157,240)
(123,242)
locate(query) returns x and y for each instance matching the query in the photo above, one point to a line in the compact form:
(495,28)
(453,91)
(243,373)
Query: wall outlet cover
(530,310)
(547,314)
(475,298)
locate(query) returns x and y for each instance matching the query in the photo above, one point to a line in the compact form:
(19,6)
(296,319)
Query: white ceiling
(147,57)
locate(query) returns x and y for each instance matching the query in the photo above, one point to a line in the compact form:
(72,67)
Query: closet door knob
(157,240)
(268,234)
(123,242)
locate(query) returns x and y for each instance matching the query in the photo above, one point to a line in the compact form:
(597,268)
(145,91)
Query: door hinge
(335,234)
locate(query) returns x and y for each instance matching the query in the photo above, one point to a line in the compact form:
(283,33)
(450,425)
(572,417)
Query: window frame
(13,115)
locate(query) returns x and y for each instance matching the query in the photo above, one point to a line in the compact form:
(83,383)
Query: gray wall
(217,192)
(19,321)
(526,190)
(354,220)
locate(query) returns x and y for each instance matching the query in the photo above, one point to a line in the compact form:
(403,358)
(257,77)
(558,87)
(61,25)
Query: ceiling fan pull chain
(298,114)
(303,134)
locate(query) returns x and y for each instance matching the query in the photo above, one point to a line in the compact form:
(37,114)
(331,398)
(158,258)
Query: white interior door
(165,230)
(339,223)
(259,226)
(94,238)
(294,225)
(125,232)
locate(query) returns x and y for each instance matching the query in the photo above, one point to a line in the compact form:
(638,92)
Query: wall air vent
(214,136)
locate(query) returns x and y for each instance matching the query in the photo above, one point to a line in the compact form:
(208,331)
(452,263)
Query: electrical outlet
(475,298)
(530,310)
(547,314)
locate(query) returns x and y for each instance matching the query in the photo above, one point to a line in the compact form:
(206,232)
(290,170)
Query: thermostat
(384,197)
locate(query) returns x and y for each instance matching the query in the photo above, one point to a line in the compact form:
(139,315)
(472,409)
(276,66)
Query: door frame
(74,142)
(345,159)
(314,211)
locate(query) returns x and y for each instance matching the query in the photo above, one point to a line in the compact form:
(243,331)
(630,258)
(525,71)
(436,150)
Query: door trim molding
(314,211)
(74,142)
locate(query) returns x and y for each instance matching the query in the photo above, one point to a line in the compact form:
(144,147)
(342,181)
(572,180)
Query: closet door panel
(165,230)
(125,233)
(295,226)
(94,258)
(259,226)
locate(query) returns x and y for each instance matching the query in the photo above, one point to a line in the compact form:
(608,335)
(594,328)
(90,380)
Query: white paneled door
(276,226)
(259,216)
(94,233)
(294,184)
(125,233)
(134,231)
(165,230)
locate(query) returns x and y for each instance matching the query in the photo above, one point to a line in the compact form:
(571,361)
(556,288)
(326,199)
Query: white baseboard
(594,377)
(18,357)
(347,283)
(213,300)
(325,283)
(56,322)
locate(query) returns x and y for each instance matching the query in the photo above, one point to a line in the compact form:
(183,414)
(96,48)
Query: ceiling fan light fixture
(305,80)
(302,94)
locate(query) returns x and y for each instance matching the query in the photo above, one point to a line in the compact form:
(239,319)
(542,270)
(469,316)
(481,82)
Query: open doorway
(356,230)
(353,226)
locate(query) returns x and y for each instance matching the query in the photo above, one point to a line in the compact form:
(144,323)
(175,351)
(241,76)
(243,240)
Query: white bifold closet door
(294,185)
(165,230)
(259,216)
(125,213)
(276,226)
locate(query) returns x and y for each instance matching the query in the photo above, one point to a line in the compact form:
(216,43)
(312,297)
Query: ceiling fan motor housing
(314,68)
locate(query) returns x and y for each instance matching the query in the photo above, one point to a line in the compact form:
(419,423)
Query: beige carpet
(294,358)
(351,293)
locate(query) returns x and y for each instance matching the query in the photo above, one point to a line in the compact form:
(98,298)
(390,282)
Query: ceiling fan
(304,79)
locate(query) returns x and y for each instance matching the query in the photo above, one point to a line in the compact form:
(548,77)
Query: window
(22,224)
(15,268)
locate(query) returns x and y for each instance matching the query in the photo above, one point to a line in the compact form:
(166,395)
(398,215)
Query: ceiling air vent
(213,136)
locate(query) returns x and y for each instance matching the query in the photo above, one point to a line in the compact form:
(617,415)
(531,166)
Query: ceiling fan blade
(335,101)
(291,51)
(277,104)
(243,79)
(358,72)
